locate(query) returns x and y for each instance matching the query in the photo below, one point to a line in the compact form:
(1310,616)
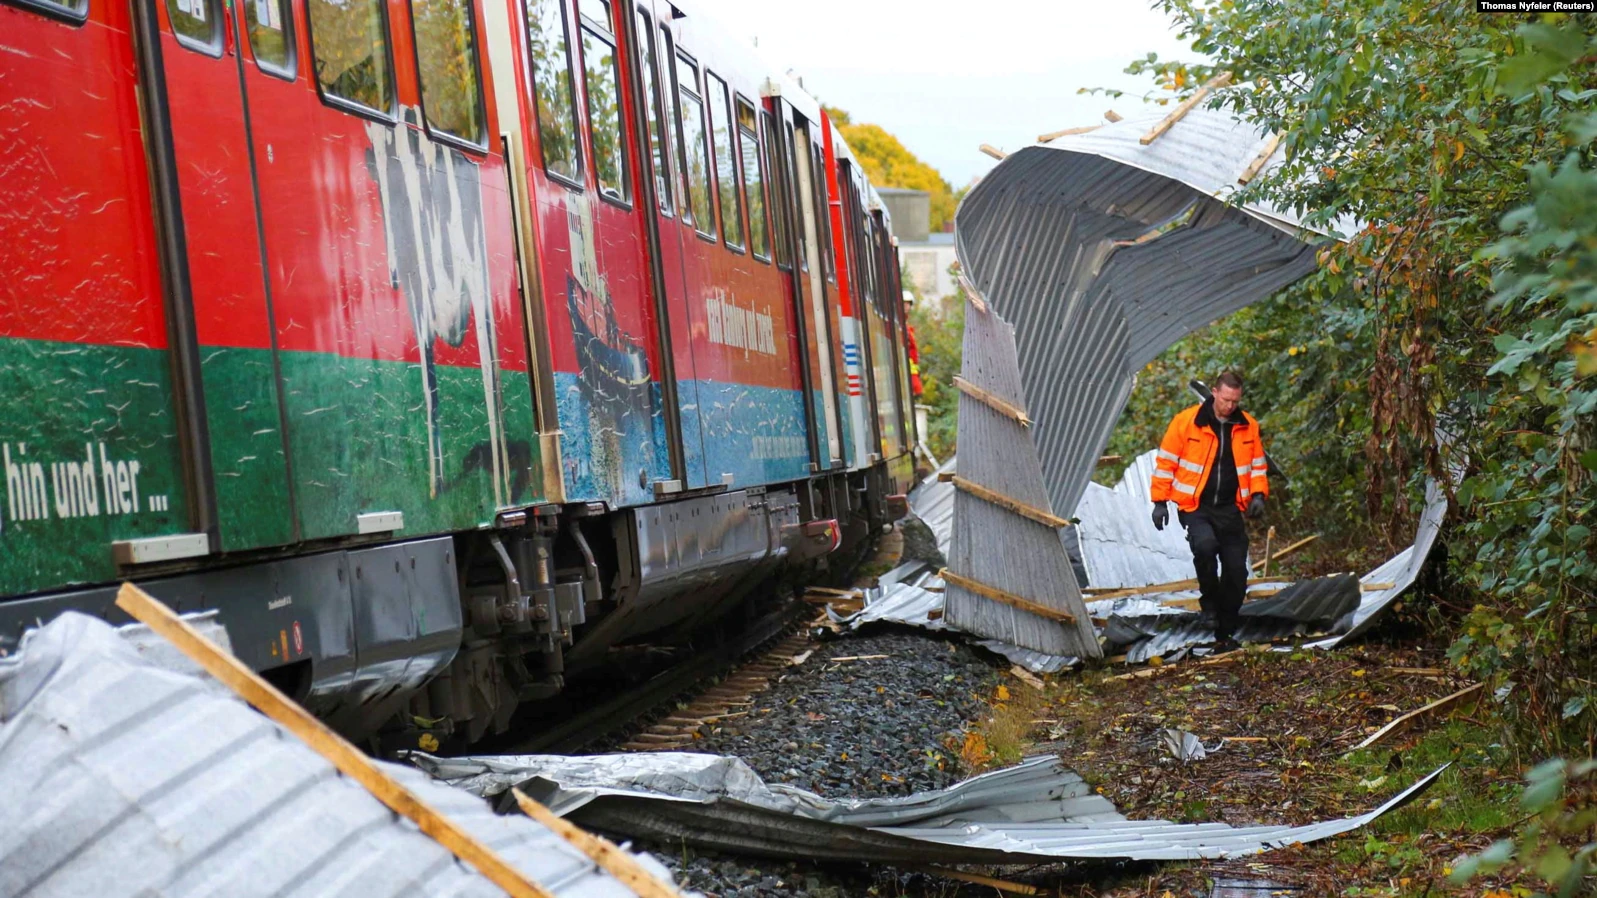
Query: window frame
(715,157)
(664,201)
(439,134)
(576,183)
(823,189)
(211,48)
(776,164)
(605,32)
(697,89)
(740,102)
(360,110)
(290,69)
(52,10)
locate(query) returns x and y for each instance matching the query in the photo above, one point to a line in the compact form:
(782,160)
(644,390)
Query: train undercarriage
(438,641)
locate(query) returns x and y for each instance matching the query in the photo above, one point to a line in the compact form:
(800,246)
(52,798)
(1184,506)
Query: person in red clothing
(1211,464)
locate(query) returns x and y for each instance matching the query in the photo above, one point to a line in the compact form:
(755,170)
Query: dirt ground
(1280,729)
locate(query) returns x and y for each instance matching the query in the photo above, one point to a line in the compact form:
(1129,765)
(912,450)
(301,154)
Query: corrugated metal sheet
(1114,530)
(1401,570)
(1035,811)
(1046,239)
(991,544)
(124,778)
(1119,545)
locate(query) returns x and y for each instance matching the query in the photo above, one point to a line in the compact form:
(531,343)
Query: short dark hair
(1229,379)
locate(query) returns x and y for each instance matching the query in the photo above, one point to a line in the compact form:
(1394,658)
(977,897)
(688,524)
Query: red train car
(438,346)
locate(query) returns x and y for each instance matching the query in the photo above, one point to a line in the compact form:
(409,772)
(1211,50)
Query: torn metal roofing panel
(1119,545)
(1035,811)
(125,777)
(1049,237)
(1004,566)
(1401,570)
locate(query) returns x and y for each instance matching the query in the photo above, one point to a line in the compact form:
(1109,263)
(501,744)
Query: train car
(440,347)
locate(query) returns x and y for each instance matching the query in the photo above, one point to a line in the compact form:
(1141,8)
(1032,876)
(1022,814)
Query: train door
(656,60)
(798,145)
(92,466)
(594,266)
(246,498)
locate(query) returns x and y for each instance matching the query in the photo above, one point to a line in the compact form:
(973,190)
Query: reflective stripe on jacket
(1186,456)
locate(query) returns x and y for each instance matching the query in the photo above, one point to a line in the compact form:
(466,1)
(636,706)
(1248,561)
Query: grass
(1301,713)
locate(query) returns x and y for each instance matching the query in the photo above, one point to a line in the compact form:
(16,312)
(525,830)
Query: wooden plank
(1055,135)
(993,151)
(1257,165)
(347,758)
(617,862)
(1436,707)
(1288,550)
(1112,116)
(993,497)
(1109,460)
(996,403)
(1187,105)
(1005,598)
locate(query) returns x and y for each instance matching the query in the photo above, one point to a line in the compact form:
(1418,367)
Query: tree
(1429,124)
(888,163)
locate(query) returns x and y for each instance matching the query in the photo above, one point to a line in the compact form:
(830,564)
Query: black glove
(1161,515)
(1256,506)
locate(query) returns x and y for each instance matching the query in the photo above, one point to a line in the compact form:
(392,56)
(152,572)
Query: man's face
(1226,400)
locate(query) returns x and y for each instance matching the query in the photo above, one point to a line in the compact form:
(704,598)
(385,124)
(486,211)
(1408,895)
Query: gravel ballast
(851,729)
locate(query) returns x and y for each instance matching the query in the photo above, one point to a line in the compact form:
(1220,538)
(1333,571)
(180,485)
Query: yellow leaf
(1359,673)
(1003,692)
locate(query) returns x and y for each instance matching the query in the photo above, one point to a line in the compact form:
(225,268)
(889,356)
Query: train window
(74,11)
(553,90)
(196,24)
(446,61)
(753,180)
(349,45)
(652,96)
(604,110)
(726,176)
(270,24)
(673,121)
(690,110)
(779,190)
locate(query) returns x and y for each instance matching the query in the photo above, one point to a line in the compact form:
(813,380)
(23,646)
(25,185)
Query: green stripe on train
(86,429)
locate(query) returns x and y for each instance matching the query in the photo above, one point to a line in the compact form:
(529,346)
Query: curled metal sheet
(125,776)
(1401,570)
(1101,252)
(1119,545)
(1038,810)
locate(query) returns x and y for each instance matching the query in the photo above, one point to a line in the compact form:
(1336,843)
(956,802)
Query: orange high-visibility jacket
(1187,455)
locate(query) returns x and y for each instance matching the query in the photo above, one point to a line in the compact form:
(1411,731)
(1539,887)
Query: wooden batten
(996,403)
(1030,512)
(1258,163)
(1187,105)
(1055,135)
(1005,598)
(993,151)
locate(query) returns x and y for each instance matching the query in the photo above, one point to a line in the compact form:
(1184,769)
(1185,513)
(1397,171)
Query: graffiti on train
(733,326)
(433,220)
(613,404)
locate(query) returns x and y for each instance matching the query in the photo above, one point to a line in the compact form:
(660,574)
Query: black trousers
(1219,540)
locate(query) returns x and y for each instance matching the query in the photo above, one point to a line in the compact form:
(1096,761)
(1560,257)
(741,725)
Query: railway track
(782,635)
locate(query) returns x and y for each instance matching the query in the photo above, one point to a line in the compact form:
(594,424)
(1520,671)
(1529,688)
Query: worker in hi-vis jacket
(1211,462)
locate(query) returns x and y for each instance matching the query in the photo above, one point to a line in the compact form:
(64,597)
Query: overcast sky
(946,76)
